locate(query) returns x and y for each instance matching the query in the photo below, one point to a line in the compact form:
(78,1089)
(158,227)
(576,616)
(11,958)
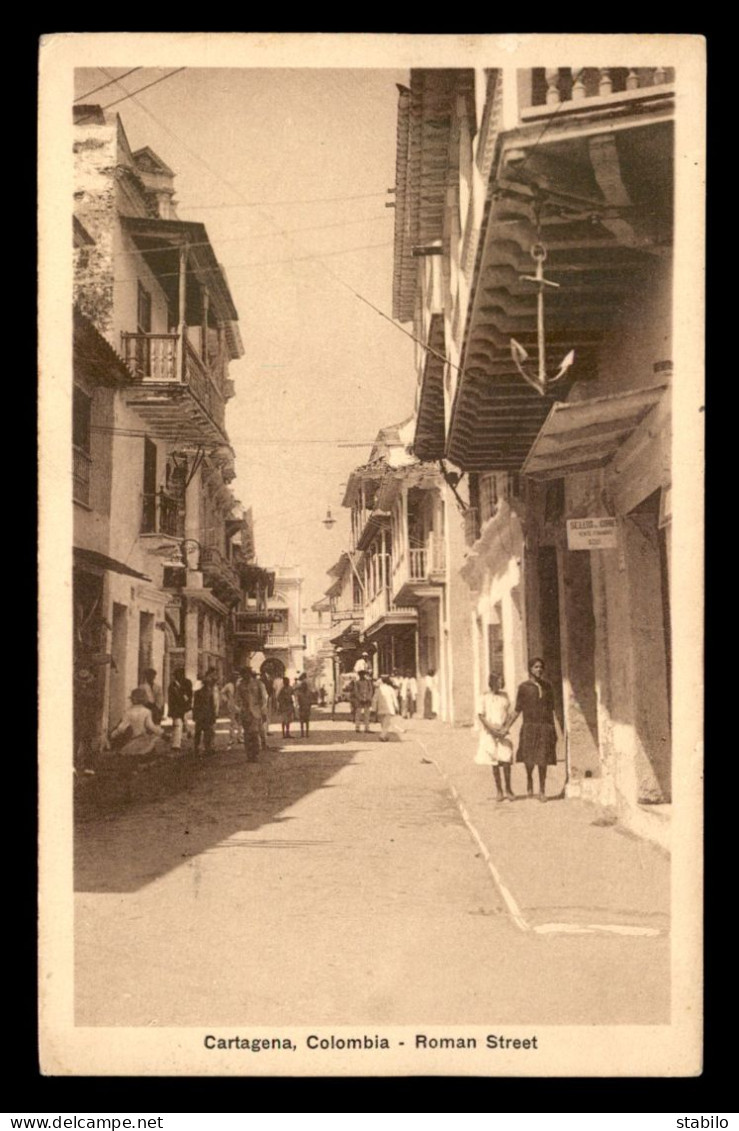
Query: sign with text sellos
(592,533)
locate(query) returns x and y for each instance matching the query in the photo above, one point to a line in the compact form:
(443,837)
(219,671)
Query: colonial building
(284,645)
(522,192)
(398,569)
(155,330)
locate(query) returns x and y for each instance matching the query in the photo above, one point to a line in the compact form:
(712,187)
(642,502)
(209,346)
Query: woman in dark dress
(537,745)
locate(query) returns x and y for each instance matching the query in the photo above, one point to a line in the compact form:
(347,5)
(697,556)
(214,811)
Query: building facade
(155,330)
(391,594)
(534,218)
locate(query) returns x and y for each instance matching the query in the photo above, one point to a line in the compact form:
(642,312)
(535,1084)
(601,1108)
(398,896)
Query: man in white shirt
(385,704)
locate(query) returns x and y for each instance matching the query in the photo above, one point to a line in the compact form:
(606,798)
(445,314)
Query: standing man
(403,694)
(385,704)
(363,693)
(205,711)
(153,695)
(264,711)
(179,702)
(231,707)
(303,700)
(250,704)
(362,664)
(412,693)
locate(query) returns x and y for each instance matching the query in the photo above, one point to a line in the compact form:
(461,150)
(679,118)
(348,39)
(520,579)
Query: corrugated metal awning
(580,435)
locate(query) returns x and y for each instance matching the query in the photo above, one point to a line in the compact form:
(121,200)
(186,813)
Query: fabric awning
(84,557)
(348,635)
(580,435)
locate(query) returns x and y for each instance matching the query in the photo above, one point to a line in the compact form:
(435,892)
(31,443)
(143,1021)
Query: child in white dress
(493,748)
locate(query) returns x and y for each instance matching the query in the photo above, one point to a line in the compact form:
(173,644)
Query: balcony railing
(213,563)
(417,564)
(382,605)
(423,563)
(355,613)
(279,640)
(163,513)
(153,358)
(250,621)
(199,381)
(81,475)
(555,85)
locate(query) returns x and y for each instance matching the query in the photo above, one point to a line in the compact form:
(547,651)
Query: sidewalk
(561,867)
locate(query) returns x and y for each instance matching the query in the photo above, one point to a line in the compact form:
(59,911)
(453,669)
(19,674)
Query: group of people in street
(537,745)
(247,701)
(388,699)
(294,700)
(244,699)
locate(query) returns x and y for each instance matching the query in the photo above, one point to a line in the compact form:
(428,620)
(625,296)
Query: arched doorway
(273,668)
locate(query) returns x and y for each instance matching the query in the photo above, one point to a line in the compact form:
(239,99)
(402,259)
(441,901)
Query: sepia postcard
(371,450)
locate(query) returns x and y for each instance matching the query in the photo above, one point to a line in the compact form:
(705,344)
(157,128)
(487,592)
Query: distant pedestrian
(251,696)
(362,701)
(136,735)
(285,706)
(263,693)
(431,695)
(493,748)
(303,698)
(385,703)
(402,683)
(537,745)
(179,702)
(362,664)
(230,707)
(153,694)
(411,692)
(205,705)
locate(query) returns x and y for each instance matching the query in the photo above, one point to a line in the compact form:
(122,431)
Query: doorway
(549,637)
(119,649)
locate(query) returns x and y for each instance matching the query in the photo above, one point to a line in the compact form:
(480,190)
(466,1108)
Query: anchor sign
(540,382)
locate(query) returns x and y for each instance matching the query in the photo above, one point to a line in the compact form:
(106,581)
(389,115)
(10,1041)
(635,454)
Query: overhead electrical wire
(108,83)
(285,233)
(260,262)
(132,94)
(279,203)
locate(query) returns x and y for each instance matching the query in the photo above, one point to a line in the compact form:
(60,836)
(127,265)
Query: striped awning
(429,441)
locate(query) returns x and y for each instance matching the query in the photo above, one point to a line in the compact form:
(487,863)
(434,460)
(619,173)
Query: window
(149,515)
(143,316)
(488,495)
(81,458)
(495,645)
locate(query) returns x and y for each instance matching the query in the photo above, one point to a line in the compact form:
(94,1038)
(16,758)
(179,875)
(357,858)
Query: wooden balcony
(354,613)
(382,610)
(419,573)
(219,575)
(249,622)
(178,394)
(163,514)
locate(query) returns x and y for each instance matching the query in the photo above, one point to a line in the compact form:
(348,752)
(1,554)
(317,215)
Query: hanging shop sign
(592,533)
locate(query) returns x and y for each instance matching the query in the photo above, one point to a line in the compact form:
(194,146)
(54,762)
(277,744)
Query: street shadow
(224,795)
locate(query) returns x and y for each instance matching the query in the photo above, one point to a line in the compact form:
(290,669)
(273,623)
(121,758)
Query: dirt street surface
(337,881)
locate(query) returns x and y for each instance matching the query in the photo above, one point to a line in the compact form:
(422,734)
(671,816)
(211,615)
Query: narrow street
(336,882)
